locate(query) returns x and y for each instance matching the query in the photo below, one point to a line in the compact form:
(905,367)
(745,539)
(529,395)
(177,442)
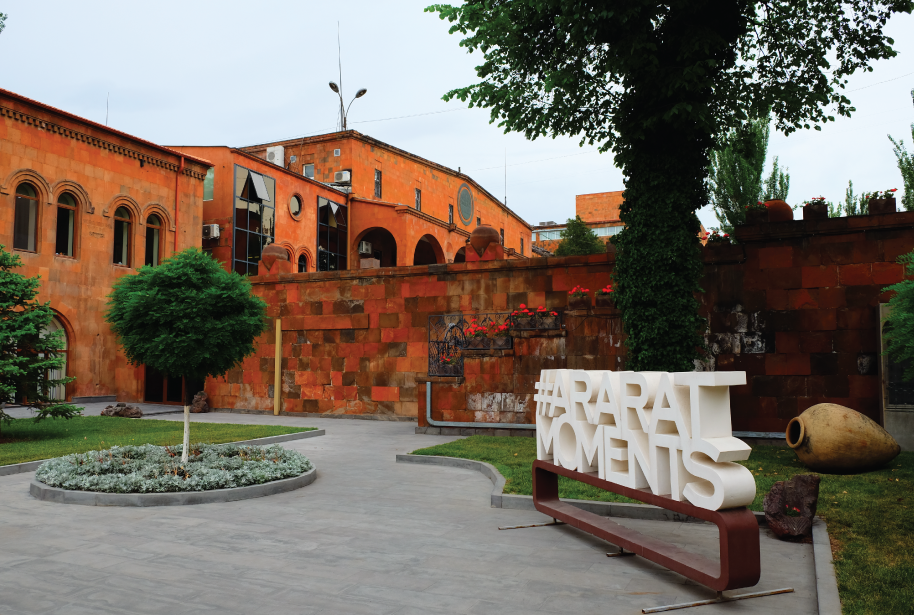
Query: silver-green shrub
(157,469)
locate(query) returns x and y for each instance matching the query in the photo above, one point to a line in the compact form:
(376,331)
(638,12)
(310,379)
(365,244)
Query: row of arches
(30,190)
(428,250)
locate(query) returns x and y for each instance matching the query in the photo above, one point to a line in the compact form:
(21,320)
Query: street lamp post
(344,110)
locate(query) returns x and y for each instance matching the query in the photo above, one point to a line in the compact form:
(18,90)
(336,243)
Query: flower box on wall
(578,303)
(605,301)
(756,216)
(815,211)
(882,206)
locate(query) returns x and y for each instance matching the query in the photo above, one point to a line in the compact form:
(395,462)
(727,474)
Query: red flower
(522,305)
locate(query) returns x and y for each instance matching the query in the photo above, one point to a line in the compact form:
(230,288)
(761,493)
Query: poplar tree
(29,352)
(735,175)
(659,84)
(186,318)
(906,166)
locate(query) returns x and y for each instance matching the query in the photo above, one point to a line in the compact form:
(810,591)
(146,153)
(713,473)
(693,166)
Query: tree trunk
(186,434)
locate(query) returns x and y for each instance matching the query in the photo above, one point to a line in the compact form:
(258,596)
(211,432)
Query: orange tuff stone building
(600,211)
(83,204)
(403,210)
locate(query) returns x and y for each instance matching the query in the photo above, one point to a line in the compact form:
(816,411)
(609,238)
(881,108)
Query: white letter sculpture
(667,432)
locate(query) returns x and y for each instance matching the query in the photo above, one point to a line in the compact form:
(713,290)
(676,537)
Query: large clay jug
(837,440)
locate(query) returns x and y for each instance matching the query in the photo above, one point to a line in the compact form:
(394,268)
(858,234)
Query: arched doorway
(428,251)
(59,392)
(460,256)
(383,246)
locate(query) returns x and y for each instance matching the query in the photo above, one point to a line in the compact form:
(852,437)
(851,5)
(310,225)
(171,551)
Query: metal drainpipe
(433,423)
(177,200)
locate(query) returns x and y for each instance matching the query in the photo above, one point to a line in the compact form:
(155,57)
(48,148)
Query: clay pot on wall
(834,439)
(882,206)
(779,211)
(482,236)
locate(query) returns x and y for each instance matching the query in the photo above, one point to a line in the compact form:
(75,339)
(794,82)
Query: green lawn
(870,516)
(25,440)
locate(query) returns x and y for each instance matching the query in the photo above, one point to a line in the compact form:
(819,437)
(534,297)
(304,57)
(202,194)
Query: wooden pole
(277,379)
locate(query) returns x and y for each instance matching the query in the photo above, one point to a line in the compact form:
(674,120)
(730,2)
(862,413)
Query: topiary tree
(899,335)
(578,239)
(659,84)
(29,353)
(186,318)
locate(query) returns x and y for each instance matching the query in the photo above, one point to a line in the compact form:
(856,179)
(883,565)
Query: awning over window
(259,186)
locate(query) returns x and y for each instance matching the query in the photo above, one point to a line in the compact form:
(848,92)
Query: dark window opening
(302,264)
(25,226)
(66,222)
(418,200)
(254,218)
(377,184)
(153,240)
(332,235)
(122,237)
(502,233)
(450,214)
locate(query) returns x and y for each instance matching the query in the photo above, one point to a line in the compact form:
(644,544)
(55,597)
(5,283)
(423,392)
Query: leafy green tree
(855,205)
(906,166)
(29,357)
(735,174)
(3,17)
(777,184)
(186,318)
(578,239)
(659,84)
(899,335)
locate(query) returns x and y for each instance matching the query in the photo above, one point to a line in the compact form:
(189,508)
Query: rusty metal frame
(740,554)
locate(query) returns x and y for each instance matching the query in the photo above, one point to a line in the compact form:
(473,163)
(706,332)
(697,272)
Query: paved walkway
(369,536)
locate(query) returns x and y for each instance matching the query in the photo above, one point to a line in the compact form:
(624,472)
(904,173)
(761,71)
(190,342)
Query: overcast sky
(240,73)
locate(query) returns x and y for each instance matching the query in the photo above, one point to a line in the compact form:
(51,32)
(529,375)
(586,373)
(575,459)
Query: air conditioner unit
(342,177)
(277,155)
(210,231)
(364,247)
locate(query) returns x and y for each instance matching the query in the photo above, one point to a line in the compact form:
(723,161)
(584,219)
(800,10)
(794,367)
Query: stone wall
(795,306)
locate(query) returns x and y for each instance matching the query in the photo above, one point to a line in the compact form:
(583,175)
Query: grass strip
(870,516)
(25,440)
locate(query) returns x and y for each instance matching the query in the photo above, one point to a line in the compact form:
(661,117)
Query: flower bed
(158,469)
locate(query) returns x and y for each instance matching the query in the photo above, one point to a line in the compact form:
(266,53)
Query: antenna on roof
(107,98)
(506,177)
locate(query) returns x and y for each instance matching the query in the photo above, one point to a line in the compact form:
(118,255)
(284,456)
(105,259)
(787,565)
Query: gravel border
(40,491)
(829,602)
(31,466)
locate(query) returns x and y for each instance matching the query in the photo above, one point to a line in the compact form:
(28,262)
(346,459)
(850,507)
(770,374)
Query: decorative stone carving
(791,505)
(123,410)
(199,404)
(834,439)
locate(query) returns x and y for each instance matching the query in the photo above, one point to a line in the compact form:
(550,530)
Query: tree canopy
(578,239)
(906,166)
(188,317)
(3,17)
(30,361)
(899,336)
(659,84)
(735,174)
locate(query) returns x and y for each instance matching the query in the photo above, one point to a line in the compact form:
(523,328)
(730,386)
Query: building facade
(600,211)
(411,211)
(82,205)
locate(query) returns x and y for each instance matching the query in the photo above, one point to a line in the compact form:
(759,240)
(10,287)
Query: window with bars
(418,200)
(450,213)
(255,218)
(332,235)
(377,183)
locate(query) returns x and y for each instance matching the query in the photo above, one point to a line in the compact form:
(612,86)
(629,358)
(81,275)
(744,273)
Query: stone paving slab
(368,536)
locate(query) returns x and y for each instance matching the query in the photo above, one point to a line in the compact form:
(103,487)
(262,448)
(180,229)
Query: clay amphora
(834,439)
(779,211)
(482,236)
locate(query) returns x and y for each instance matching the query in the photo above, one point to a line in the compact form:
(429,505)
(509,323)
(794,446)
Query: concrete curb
(826,582)
(31,466)
(525,502)
(40,491)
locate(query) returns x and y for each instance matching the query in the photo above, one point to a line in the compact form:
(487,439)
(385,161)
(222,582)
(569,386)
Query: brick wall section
(355,341)
(795,306)
(598,207)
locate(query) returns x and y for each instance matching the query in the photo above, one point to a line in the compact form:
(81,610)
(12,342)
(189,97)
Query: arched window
(153,239)
(25,227)
(122,236)
(66,225)
(302,264)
